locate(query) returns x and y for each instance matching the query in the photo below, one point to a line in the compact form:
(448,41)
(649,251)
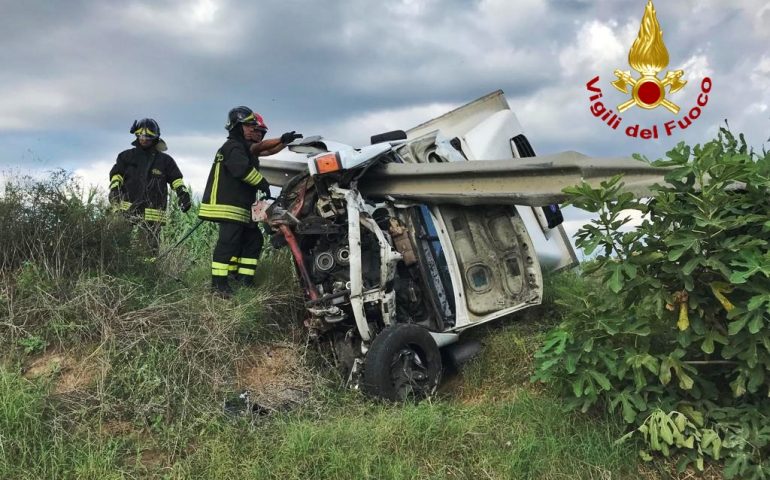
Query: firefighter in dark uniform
(230,191)
(139,179)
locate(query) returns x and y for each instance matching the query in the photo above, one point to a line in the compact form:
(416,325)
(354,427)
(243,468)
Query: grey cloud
(80,72)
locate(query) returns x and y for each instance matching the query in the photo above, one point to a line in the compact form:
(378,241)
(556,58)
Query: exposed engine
(385,255)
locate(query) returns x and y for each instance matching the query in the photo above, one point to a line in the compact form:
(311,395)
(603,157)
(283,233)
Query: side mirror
(388,136)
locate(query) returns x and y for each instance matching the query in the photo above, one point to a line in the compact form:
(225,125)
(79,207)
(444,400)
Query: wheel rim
(409,374)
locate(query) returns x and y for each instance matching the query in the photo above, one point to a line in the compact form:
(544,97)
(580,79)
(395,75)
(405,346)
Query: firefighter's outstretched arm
(273,145)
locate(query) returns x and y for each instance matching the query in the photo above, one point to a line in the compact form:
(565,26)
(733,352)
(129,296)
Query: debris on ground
(271,377)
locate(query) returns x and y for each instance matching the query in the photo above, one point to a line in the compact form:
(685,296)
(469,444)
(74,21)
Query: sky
(76,74)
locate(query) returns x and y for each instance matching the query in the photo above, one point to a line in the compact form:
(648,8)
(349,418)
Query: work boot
(221,287)
(245,280)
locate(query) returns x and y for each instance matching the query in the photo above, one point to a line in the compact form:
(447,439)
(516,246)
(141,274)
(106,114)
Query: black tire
(403,364)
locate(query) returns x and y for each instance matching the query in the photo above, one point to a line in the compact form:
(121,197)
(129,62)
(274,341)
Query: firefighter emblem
(649,56)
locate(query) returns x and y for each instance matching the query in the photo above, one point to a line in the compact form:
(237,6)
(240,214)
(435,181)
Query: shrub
(60,226)
(674,332)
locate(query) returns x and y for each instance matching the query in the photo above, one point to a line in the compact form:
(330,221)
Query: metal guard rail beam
(534,181)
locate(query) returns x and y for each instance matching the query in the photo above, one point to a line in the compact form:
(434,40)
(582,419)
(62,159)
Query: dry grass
(69,373)
(157,353)
(276,375)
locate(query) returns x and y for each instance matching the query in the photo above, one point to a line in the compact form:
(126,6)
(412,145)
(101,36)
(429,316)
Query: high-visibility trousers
(237,249)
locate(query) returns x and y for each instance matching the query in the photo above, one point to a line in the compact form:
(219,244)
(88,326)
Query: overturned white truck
(403,244)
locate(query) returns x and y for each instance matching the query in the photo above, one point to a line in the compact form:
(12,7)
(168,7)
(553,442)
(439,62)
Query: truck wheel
(402,364)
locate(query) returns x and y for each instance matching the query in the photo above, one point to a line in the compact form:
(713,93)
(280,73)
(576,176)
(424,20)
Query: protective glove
(289,137)
(183,200)
(264,187)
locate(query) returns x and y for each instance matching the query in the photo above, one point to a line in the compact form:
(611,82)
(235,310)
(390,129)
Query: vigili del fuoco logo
(648,56)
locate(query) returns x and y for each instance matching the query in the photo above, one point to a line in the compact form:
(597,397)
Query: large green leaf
(749,263)
(615,277)
(710,338)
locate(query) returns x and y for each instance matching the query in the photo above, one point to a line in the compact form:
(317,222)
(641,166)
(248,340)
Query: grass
(522,433)
(116,367)
(489,422)
(33,445)
(526,438)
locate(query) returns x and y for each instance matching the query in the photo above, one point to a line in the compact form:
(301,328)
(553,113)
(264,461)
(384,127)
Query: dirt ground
(274,374)
(648,472)
(70,372)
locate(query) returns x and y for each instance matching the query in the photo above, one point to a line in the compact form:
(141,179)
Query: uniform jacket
(142,177)
(231,186)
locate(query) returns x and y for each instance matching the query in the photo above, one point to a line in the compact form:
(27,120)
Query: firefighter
(231,189)
(138,183)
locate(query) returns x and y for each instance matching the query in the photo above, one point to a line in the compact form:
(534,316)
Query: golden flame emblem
(649,56)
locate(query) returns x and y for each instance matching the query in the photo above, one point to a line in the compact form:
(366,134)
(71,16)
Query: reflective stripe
(228,208)
(179,182)
(145,131)
(117,178)
(154,215)
(253,178)
(219,269)
(114,185)
(224,212)
(124,206)
(248,261)
(233,264)
(215,186)
(247,271)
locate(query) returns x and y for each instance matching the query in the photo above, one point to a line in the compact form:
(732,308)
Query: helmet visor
(252,121)
(249,120)
(145,132)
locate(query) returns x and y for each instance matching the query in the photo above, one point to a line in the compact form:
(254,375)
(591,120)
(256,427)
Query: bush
(60,226)
(672,330)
